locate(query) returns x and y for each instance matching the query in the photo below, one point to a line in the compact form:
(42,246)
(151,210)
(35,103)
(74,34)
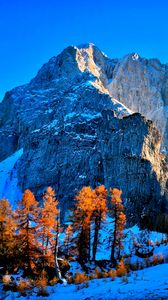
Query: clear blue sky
(32,31)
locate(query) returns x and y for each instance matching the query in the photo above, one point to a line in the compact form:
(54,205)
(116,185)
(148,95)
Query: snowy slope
(150,283)
(130,235)
(8,178)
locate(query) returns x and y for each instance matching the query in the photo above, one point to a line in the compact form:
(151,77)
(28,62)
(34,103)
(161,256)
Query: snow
(82,176)
(147,283)
(120,107)
(69,116)
(131,234)
(91,116)
(135,56)
(86,115)
(150,283)
(52,124)
(8,178)
(49,111)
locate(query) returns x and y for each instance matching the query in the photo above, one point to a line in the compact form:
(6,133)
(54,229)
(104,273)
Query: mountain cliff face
(77,125)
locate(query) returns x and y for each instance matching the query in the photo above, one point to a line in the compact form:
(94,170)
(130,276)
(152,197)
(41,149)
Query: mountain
(84,120)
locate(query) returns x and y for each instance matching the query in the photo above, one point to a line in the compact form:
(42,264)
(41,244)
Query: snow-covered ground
(130,235)
(150,283)
(8,178)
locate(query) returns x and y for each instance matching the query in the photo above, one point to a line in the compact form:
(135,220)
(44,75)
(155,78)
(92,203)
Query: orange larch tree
(27,215)
(47,221)
(49,229)
(99,214)
(118,215)
(7,231)
(82,221)
(67,240)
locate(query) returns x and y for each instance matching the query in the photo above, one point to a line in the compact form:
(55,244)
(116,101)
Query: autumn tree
(99,213)
(7,231)
(27,215)
(82,221)
(68,237)
(119,221)
(47,221)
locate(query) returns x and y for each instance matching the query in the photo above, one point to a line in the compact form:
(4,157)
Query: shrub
(104,274)
(157,259)
(121,269)
(23,285)
(154,260)
(42,280)
(9,283)
(98,273)
(80,278)
(112,274)
(93,276)
(6,279)
(54,281)
(160,258)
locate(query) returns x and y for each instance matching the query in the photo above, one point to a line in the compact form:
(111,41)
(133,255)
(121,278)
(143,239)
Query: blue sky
(32,31)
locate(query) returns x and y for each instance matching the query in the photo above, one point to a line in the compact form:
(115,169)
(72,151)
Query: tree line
(29,236)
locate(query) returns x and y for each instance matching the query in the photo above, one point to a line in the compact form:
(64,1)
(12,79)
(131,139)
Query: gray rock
(76,126)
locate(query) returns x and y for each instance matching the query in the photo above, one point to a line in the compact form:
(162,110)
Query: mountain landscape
(84,179)
(86,119)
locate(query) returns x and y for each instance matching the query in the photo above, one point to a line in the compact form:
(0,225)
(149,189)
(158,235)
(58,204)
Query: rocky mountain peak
(77,126)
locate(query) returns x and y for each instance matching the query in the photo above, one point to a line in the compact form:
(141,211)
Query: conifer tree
(82,220)
(49,229)
(47,221)
(117,210)
(27,215)
(7,231)
(67,240)
(99,213)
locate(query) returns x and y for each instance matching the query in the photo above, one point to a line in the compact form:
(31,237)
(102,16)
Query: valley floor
(150,283)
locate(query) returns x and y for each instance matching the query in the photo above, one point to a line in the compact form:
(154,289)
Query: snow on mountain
(77,129)
(8,178)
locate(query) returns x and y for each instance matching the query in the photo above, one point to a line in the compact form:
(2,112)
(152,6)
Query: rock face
(76,125)
(142,85)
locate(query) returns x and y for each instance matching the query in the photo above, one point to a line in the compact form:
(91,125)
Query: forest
(30,240)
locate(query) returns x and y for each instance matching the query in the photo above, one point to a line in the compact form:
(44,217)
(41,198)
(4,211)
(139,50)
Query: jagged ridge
(59,121)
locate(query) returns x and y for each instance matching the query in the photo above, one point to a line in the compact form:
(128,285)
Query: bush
(23,286)
(80,278)
(93,276)
(121,269)
(54,281)
(98,273)
(9,283)
(160,258)
(6,279)
(157,259)
(104,274)
(112,274)
(154,260)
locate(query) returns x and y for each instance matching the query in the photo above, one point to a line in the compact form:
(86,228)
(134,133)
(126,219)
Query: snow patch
(8,178)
